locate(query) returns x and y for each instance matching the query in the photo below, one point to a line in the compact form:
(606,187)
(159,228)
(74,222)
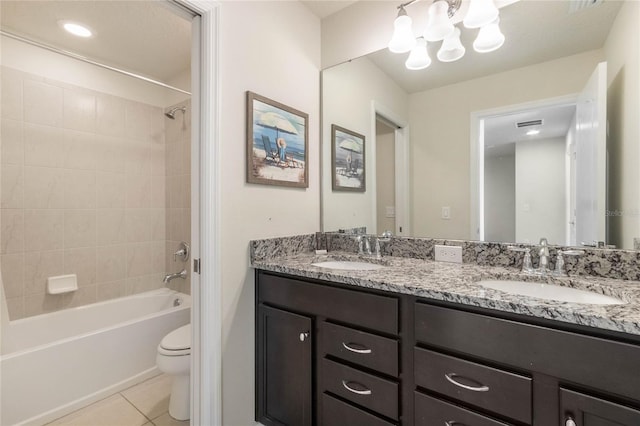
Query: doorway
(385,176)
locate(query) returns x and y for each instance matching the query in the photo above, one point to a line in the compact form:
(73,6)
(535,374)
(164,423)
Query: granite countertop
(457,283)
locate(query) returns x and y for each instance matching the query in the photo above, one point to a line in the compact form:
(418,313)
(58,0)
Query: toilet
(174,358)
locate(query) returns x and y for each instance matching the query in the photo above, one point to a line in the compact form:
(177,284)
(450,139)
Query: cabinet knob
(303,336)
(570,422)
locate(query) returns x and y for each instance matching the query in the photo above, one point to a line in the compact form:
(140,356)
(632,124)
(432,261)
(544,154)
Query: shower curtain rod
(89,61)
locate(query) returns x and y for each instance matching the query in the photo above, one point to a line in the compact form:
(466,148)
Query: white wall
(540,190)
(385,176)
(38,61)
(273,49)
(500,198)
(347,93)
(622,53)
(440,126)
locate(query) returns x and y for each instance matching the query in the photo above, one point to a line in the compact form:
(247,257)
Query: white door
(591,158)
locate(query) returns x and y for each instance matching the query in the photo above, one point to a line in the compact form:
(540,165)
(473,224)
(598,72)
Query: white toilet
(174,358)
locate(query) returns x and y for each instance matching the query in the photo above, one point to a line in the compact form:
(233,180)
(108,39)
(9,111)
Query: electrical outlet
(451,254)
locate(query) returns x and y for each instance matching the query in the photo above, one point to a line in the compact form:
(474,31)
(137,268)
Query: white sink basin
(347,265)
(550,292)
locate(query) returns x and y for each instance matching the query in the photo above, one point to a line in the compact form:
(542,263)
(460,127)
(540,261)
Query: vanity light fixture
(76,29)
(481,14)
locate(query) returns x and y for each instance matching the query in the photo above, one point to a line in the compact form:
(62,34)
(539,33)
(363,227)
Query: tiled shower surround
(86,189)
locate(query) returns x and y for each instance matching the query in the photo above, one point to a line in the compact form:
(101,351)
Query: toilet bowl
(174,358)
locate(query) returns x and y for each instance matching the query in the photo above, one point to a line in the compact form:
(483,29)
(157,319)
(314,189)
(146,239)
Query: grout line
(134,406)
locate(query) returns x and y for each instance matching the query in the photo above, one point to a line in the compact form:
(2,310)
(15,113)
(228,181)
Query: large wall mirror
(537,139)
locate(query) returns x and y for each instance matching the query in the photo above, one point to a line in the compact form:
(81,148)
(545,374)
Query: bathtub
(55,363)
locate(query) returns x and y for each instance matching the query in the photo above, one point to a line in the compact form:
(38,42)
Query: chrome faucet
(543,265)
(182,274)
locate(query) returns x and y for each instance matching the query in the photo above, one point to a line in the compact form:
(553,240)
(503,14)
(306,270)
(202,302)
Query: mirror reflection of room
(551,52)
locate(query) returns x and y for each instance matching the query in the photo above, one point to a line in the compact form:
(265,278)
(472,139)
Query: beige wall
(347,94)
(440,132)
(500,198)
(385,177)
(622,52)
(273,49)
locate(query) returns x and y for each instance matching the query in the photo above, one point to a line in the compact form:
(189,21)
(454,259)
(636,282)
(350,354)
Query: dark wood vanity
(339,355)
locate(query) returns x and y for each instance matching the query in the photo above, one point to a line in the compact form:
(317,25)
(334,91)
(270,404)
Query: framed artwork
(347,160)
(277,143)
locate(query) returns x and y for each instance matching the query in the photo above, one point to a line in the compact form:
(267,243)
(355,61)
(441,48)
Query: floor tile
(111,411)
(150,397)
(167,420)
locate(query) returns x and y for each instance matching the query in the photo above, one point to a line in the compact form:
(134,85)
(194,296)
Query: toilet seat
(176,343)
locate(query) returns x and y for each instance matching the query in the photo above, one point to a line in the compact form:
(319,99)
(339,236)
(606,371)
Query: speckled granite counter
(456,283)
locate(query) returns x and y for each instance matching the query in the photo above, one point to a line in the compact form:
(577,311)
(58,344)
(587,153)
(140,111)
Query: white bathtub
(55,363)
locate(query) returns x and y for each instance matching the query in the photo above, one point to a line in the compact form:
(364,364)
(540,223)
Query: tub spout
(182,274)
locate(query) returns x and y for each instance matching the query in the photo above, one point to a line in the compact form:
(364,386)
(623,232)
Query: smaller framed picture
(347,160)
(277,143)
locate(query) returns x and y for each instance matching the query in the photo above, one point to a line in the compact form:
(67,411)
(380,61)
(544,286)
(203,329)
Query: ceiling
(324,8)
(536,31)
(146,37)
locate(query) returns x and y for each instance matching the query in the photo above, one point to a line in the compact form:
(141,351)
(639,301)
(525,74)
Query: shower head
(172,112)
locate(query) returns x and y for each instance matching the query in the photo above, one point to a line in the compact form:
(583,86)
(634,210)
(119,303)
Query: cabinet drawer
(367,310)
(433,412)
(587,410)
(591,361)
(364,389)
(490,389)
(366,349)
(337,413)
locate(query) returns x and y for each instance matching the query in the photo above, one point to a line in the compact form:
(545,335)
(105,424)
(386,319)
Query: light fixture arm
(454,6)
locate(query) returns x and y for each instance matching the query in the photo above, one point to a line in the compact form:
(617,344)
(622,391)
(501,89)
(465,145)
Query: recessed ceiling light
(533,132)
(76,29)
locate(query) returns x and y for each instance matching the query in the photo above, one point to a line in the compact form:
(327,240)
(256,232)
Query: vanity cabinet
(335,355)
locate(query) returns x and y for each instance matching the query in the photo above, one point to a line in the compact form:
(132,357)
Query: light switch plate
(446,213)
(451,254)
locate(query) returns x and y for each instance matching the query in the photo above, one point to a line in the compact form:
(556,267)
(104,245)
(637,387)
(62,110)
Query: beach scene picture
(277,143)
(347,160)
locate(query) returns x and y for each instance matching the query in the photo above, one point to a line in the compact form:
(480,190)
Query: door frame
(476,154)
(206,289)
(402,167)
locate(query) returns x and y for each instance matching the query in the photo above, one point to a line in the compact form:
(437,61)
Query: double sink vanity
(343,339)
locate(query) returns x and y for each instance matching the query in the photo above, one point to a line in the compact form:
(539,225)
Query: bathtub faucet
(182,274)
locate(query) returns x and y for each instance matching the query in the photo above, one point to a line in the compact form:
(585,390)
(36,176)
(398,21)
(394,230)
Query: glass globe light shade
(489,38)
(439,25)
(480,13)
(419,57)
(402,40)
(451,49)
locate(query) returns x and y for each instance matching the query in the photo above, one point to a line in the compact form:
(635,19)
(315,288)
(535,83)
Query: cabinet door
(284,368)
(577,409)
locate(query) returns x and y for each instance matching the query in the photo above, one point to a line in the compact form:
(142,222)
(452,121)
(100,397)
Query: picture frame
(277,143)
(348,166)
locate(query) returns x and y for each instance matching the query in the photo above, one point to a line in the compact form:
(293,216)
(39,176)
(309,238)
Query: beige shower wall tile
(12,190)
(12,268)
(139,191)
(110,116)
(111,263)
(138,225)
(110,153)
(158,217)
(43,103)
(138,121)
(138,159)
(82,263)
(158,192)
(11,231)
(79,228)
(110,290)
(175,162)
(43,146)
(44,303)
(80,150)
(110,226)
(44,230)
(79,189)
(143,283)
(158,158)
(110,190)
(12,100)
(12,141)
(38,267)
(43,188)
(158,256)
(139,259)
(15,306)
(79,111)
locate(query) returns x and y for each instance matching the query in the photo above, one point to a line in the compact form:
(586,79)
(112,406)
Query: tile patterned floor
(145,404)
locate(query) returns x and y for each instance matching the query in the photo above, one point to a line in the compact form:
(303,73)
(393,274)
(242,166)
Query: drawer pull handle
(359,392)
(358,351)
(570,422)
(450,378)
